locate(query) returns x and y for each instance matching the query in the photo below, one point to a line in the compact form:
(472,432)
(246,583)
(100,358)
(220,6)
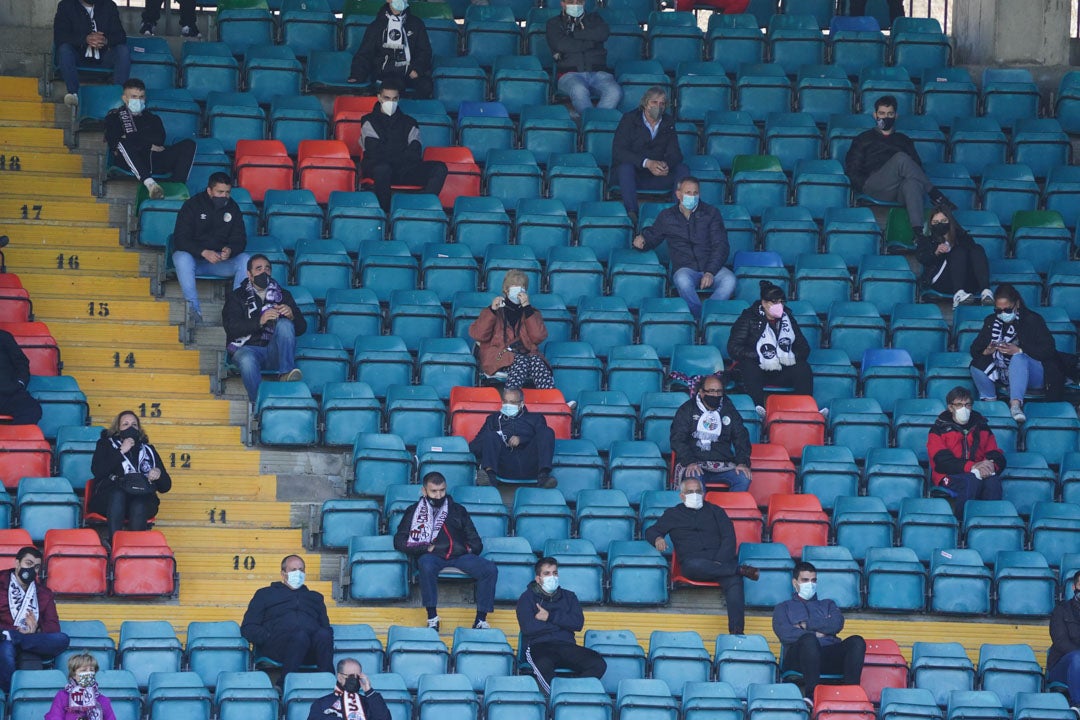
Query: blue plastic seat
(385,266)
(574,179)
(992,526)
(895,580)
(580,567)
(147,647)
(925,525)
(763,88)
(1009,95)
(959,582)
(840,575)
(574,698)
(774,564)
(271,70)
(1027,479)
(216,647)
(491,32)
(414,412)
(855,327)
(515,559)
(478,222)
(513,698)
(604,417)
(635,76)
(488,511)
(573,273)
(575,367)
(775,700)
(245,695)
(828,472)
(884,281)
(841,130)
(519,82)
(888,374)
(604,322)
(208,67)
(918,44)
(377,571)
(177,694)
(744,661)
(1055,527)
(941,668)
(88,636)
(637,573)
(733,40)
(539,515)
(729,134)
(789,232)
(874,82)
(547,130)
(821,187)
(379,461)
(240,27)
(301,690)
(512,174)
(341,518)
(285,414)
(966,703)
(1025,586)
(856,42)
(636,467)
(680,660)
(860,523)
(920,329)
(459,80)
(976,143)
(598,131)
(700,87)
(415,315)
(795,41)
(823,91)
(233,116)
(645,699)
(542,224)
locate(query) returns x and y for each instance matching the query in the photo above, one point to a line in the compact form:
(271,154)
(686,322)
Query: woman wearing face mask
(965,460)
(769,348)
(81,699)
(128,475)
(1016,350)
(508,335)
(952,262)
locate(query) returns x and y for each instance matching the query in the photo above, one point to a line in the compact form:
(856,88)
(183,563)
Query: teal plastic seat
(32,692)
(359,642)
(828,472)
(715,700)
(578,467)
(123,693)
(88,636)
(148,647)
(216,647)
(414,412)
(1025,586)
(644,699)
(301,690)
(680,660)
(636,467)
(245,695)
(744,661)
(941,668)
(379,460)
(413,653)
(1055,527)
(580,567)
(603,516)
(348,408)
(285,414)
(959,582)
(487,509)
(926,524)
(775,564)
(858,423)
(385,266)
(579,698)
(540,515)
(839,574)
(637,573)
(45,504)
(376,570)
(341,518)
(895,580)
(515,559)
(861,523)
(513,698)
(634,370)
(447,696)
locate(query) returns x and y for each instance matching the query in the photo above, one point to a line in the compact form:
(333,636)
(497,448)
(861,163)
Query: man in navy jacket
(645,152)
(89,33)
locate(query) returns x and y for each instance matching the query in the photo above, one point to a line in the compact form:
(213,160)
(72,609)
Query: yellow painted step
(26,234)
(19,162)
(122,337)
(74,261)
(84,285)
(38,113)
(19,88)
(248,566)
(18,138)
(216,485)
(200,591)
(230,513)
(46,209)
(101,309)
(45,188)
(189,384)
(161,408)
(215,538)
(204,437)
(135,356)
(200,460)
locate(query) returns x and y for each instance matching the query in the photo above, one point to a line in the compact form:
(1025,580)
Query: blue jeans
(280,353)
(1067,670)
(480,569)
(580,86)
(45,645)
(686,283)
(735,480)
(630,178)
(1024,373)
(116,57)
(188,266)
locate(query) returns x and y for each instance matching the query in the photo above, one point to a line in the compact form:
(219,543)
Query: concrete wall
(1021,32)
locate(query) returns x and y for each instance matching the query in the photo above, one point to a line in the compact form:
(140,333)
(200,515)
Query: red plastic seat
(349,111)
(552,405)
(469,407)
(11,542)
(883,667)
(842,702)
(10,280)
(142,564)
(75,562)
(15,305)
(794,422)
(93,518)
(462,173)
(797,521)
(24,452)
(262,165)
(677,577)
(773,472)
(742,509)
(39,345)
(324,166)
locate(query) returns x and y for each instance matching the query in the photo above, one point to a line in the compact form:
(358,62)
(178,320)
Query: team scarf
(146,458)
(709,425)
(21,603)
(349,705)
(1001,332)
(255,307)
(128,119)
(83,701)
(774,348)
(396,24)
(427,522)
(92,52)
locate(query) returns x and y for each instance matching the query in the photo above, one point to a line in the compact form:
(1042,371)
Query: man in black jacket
(89,33)
(14,377)
(136,138)
(209,239)
(697,244)
(393,154)
(439,533)
(287,622)
(885,165)
(645,152)
(353,697)
(395,45)
(514,443)
(1063,660)
(709,439)
(262,322)
(576,40)
(704,539)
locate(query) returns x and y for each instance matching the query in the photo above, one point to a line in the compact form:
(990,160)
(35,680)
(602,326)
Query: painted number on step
(128,360)
(217,517)
(12,163)
(31,212)
(97,309)
(71,264)
(152,410)
(182,460)
(247,562)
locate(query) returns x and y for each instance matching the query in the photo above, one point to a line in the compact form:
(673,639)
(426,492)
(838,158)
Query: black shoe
(191,31)
(147,29)
(940,201)
(482,477)
(546,480)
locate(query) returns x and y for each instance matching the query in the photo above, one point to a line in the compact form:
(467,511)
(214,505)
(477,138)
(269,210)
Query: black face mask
(132,432)
(711,401)
(886,124)
(352,684)
(27,575)
(220,202)
(261,281)
(437,502)
(939,230)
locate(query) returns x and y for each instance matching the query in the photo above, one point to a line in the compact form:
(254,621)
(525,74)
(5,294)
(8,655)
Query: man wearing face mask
(709,439)
(136,139)
(1063,660)
(287,622)
(89,33)
(209,239)
(548,616)
(514,443)
(353,697)
(28,620)
(808,630)
(393,154)
(576,40)
(262,322)
(395,47)
(439,533)
(965,460)
(697,243)
(885,165)
(645,151)
(704,539)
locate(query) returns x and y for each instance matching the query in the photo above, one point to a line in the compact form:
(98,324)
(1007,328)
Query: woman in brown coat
(509,333)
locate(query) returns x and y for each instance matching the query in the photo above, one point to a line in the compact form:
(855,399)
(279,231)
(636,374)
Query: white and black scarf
(427,522)
(145,458)
(256,307)
(92,52)
(22,603)
(128,119)
(348,705)
(774,348)
(1001,332)
(83,701)
(709,425)
(397,39)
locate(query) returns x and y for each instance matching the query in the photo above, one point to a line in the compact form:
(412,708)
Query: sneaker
(481,625)
(760,411)
(71,99)
(482,477)
(571,404)
(961,297)
(1017,411)
(987,297)
(156,191)
(433,623)
(148,29)
(546,480)
(293,375)
(824,412)
(191,31)
(809,704)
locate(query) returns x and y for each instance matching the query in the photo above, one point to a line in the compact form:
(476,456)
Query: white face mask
(398,6)
(962,415)
(549,584)
(136,105)
(575,11)
(295,579)
(513,294)
(389,106)
(694,500)
(807,590)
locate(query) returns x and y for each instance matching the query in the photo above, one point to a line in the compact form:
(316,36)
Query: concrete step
(175,512)
(74,261)
(214,538)
(40,162)
(45,189)
(20,138)
(250,566)
(217,484)
(119,336)
(101,309)
(163,408)
(199,591)
(91,358)
(186,384)
(28,234)
(19,88)
(91,286)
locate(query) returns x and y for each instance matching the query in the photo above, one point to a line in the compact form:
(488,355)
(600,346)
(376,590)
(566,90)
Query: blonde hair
(114,427)
(81,660)
(515,277)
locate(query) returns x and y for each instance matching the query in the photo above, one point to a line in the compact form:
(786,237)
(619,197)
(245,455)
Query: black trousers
(136,509)
(174,159)
(153,12)
(429,175)
(706,570)
(22,407)
(544,658)
(421,87)
(799,376)
(524,461)
(966,269)
(811,658)
(301,648)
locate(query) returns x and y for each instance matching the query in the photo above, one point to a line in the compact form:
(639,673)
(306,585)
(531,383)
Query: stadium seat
(849,701)
(75,562)
(540,514)
(823,91)
(379,461)
(386,266)
(574,698)
(838,573)
(774,563)
(635,76)
(758,183)
(858,423)
(479,654)
(1040,705)
(302,689)
(927,524)
(271,70)
(143,564)
(672,40)
(217,647)
(855,327)
(341,518)
(715,700)
(762,88)
(780,700)
(733,40)
(262,165)
(1009,95)
(637,573)
(959,582)
(575,367)
(797,520)
(856,42)
(574,179)
(208,67)
(450,695)
(1055,526)
(941,668)
(580,567)
(245,695)
(887,374)
(45,503)
(547,130)
(515,559)
(346,409)
(791,137)
(1026,480)
(678,659)
(794,422)
(285,414)
(513,698)
(377,571)
(644,699)
(700,87)
(1041,237)
(885,281)
(877,81)
(1024,586)
(636,467)
(884,669)
(602,516)
(895,580)
(744,662)
(828,472)
(148,648)
(821,187)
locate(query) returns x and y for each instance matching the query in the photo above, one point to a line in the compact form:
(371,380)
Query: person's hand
(269,315)
(541,613)
(431,548)
(211,256)
(365,684)
(225,253)
(523,299)
(498,302)
(660,544)
(413,74)
(693,470)
(942,248)
(1009,348)
(706,281)
(157,148)
(96,40)
(985,467)
(990,349)
(639,242)
(31,623)
(154,474)
(514,441)
(657,167)
(284,311)
(126,445)
(743,470)
(801,625)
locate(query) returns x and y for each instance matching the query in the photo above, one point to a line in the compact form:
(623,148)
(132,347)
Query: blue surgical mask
(513,294)
(136,105)
(575,11)
(807,590)
(510,409)
(295,579)
(398,6)
(1007,317)
(549,584)
(690,202)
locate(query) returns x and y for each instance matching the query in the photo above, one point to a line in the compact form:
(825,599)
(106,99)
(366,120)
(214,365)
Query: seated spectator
(1063,660)
(209,239)
(645,152)
(697,244)
(508,336)
(514,443)
(15,400)
(548,616)
(353,697)
(439,533)
(769,348)
(136,139)
(808,630)
(393,154)
(152,13)
(262,322)
(1016,350)
(965,461)
(128,475)
(89,33)
(709,440)
(953,263)
(30,625)
(395,45)
(81,698)
(576,40)
(885,165)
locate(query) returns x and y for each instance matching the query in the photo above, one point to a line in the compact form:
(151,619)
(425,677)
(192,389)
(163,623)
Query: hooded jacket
(698,242)
(733,445)
(457,536)
(742,341)
(954,448)
(704,534)
(278,610)
(564,616)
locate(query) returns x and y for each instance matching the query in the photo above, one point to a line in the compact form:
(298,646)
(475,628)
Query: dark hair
(508,389)
(257,256)
(885,101)
(688,179)
(219,178)
(285,560)
(542,562)
(434,478)
(134,84)
(958,393)
(771,291)
(392,83)
(801,567)
(1007,291)
(28,550)
(1076,577)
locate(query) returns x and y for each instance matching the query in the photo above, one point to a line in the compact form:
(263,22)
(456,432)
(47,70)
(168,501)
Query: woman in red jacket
(965,460)
(509,333)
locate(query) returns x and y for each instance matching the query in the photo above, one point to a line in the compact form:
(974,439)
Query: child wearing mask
(81,699)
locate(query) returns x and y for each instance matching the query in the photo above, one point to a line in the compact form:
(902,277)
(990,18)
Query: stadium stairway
(222,518)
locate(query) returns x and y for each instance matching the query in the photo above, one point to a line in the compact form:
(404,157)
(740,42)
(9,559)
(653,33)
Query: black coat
(391,139)
(733,445)
(742,342)
(707,533)
(202,226)
(634,144)
(149,130)
(1034,338)
(565,616)
(240,319)
(372,57)
(71,24)
(14,365)
(457,537)
(1064,629)
(926,251)
(108,464)
(872,149)
(698,242)
(329,706)
(277,610)
(577,44)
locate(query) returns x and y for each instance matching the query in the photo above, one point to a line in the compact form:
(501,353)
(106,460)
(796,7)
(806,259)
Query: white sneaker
(481,625)
(1017,411)
(156,191)
(71,99)
(824,412)
(760,411)
(433,623)
(986,296)
(960,297)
